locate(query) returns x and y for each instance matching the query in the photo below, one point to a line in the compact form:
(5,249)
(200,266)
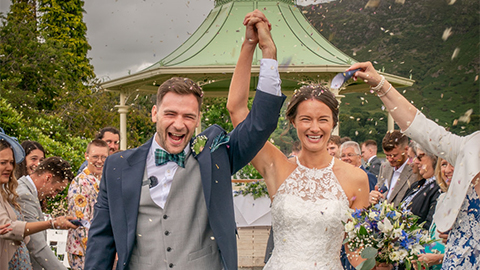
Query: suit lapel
(401,181)
(388,175)
(205,161)
(132,177)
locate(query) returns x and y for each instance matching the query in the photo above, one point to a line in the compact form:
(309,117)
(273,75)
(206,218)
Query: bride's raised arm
(257,32)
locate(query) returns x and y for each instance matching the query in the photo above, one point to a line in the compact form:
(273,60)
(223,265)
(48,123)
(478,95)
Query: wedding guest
(311,192)
(5,228)
(422,197)
(350,153)
(50,178)
(82,196)
(333,146)
(111,136)
(458,210)
(34,154)
(14,253)
(296,147)
(345,139)
(369,155)
(433,256)
(395,176)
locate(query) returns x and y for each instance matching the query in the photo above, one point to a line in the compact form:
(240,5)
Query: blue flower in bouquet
(357,213)
(383,233)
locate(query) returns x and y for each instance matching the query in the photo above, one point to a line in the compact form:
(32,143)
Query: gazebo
(210,54)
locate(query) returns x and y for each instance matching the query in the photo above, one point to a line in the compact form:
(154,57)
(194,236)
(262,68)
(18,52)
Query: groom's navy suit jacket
(115,219)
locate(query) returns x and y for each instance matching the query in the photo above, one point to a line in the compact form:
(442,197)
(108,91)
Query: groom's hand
(251,31)
(266,44)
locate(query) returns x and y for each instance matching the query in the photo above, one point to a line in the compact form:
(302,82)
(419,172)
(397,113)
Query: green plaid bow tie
(162,157)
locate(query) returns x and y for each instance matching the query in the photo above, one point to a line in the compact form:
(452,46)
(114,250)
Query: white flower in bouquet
(397,232)
(403,254)
(394,256)
(349,226)
(385,226)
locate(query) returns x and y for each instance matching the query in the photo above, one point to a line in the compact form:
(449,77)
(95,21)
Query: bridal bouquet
(385,234)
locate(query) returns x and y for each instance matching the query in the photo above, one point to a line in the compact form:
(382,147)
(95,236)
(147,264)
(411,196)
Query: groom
(168,204)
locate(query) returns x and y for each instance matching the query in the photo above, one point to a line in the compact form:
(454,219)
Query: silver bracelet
(381,95)
(52,223)
(379,85)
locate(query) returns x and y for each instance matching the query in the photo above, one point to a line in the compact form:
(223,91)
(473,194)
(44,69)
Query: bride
(311,194)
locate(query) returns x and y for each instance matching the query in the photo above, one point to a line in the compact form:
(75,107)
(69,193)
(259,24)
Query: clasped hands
(258,32)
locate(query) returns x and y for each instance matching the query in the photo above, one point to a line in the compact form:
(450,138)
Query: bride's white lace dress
(307,214)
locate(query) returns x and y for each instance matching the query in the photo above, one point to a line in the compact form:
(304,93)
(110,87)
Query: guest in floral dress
(13,251)
(82,196)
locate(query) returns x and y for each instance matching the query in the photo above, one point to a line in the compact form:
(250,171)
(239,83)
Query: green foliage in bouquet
(385,234)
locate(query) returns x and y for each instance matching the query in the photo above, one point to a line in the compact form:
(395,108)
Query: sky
(129,35)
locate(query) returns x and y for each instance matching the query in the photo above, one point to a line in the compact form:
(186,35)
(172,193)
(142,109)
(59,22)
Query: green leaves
(367,264)
(369,252)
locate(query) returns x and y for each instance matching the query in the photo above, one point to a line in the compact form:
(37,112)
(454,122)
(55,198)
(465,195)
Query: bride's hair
(318,92)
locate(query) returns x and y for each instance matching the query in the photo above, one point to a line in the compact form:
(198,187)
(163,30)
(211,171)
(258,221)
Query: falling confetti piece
(372,4)
(447,33)
(455,53)
(466,117)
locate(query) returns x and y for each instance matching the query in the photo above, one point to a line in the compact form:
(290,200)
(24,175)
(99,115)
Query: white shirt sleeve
(269,79)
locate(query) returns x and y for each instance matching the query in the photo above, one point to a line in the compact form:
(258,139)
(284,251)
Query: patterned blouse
(82,196)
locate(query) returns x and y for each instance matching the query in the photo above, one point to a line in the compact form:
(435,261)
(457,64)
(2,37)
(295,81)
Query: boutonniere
(222,138)
(198,144)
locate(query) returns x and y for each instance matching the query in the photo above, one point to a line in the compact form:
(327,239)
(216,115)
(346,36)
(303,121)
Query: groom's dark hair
(180,86)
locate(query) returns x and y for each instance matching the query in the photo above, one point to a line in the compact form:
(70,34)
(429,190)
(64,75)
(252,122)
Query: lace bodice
(307,214)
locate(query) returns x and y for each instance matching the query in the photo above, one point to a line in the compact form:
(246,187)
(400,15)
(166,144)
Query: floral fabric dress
(82,196)
(21,257)
(463,244)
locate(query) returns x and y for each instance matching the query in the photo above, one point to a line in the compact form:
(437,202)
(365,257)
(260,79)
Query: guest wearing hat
(14,253)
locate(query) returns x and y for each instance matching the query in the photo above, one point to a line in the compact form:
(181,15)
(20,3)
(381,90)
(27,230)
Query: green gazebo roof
(210,54)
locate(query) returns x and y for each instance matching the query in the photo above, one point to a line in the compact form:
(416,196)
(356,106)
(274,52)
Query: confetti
(447,33)
(455,53)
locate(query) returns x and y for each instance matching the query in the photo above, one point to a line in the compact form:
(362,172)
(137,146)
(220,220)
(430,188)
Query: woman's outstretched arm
(402,111)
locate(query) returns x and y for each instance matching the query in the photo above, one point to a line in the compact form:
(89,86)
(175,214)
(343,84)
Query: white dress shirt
(395,176)
(164,173)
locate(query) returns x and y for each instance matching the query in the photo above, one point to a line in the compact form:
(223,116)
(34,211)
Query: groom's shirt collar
(163,173)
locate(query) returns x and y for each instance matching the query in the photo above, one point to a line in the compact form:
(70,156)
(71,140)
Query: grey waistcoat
(178,236)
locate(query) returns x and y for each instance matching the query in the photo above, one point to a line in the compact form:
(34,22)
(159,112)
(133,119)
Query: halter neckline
(330,165)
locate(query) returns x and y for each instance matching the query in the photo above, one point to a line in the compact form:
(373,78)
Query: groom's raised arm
(251,134)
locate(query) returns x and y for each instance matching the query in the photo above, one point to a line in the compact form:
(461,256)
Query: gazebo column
(336,130)
(198,129)
(123,110)
(390,122)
